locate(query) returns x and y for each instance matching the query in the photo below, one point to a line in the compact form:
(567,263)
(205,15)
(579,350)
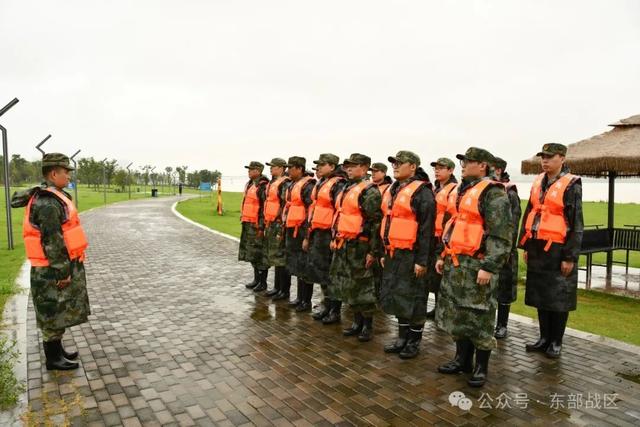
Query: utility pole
(5,153)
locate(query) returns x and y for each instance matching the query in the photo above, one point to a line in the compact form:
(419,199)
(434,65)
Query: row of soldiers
(372,242)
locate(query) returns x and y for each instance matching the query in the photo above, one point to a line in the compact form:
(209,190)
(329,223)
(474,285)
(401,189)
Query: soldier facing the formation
(551,236)
(55,246)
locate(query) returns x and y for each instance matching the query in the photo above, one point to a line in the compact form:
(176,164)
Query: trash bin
(154,192)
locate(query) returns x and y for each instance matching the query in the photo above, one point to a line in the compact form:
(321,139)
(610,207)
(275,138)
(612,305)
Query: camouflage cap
(500,163)
(327,158)
(277,161)
(405,157)
(357,159)
(297,161)
(255,165)
(477,154)
(56,159)
(379,167)
(553,149)
(444,161)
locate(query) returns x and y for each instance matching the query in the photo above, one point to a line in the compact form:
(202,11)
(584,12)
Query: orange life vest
(553,225)
(399,224)
(442,201)
(272,202)
(74,239)
(250,204)
(295,211)
(322,209)
(348,218)
(383,187)
(464,232)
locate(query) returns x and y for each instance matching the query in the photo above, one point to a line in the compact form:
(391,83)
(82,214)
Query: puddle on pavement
(635,377)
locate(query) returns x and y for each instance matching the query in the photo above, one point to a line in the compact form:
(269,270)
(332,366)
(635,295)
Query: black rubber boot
(334,313)
(254,283)
(299,292)
(558,326)
(285,284)
(69,356)
(479,376)
(356,326)
(503,319)
(305,299)
(367,330)
(412,349)
(544,320)
(462,361)
(401,341)
(276,283)
(55,358)
(326,308)
(262,281)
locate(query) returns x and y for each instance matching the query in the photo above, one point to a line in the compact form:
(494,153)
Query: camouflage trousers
(466,310)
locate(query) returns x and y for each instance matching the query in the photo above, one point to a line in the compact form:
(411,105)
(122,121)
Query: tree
(121,178)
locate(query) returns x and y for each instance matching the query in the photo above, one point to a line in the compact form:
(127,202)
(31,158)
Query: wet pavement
(176,339)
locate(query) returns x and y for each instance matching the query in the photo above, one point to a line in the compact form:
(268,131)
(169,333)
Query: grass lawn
(599,313)
(11,261)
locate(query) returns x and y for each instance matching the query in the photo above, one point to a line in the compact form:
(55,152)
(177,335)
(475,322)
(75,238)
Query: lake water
(627,191)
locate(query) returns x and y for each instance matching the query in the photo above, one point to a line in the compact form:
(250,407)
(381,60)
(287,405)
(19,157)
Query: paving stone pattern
(176,339)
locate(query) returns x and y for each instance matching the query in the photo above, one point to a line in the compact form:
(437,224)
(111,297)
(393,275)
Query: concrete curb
(599,339)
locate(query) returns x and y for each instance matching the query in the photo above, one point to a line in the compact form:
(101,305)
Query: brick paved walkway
(175,339)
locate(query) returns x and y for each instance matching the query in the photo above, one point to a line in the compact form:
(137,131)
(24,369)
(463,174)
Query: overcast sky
(214,84)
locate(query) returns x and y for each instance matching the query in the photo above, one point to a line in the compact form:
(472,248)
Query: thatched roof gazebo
(613,154)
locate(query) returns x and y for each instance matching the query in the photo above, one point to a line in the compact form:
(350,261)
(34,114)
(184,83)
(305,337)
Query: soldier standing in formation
(274,239)
(252,218)
(477,243)
(508,281)
(55,246)
(551,236)
(379,176)
(356,245)
(296,213)
(445,183)
(408,208)
(318,239)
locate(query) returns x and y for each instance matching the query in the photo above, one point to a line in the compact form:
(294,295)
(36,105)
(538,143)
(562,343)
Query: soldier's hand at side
(370,260)
(382,262)
(260,234)
(440,266)
(566,268)
(419,270)
(61,284)
(305,245)
(484,277)
(525,256)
